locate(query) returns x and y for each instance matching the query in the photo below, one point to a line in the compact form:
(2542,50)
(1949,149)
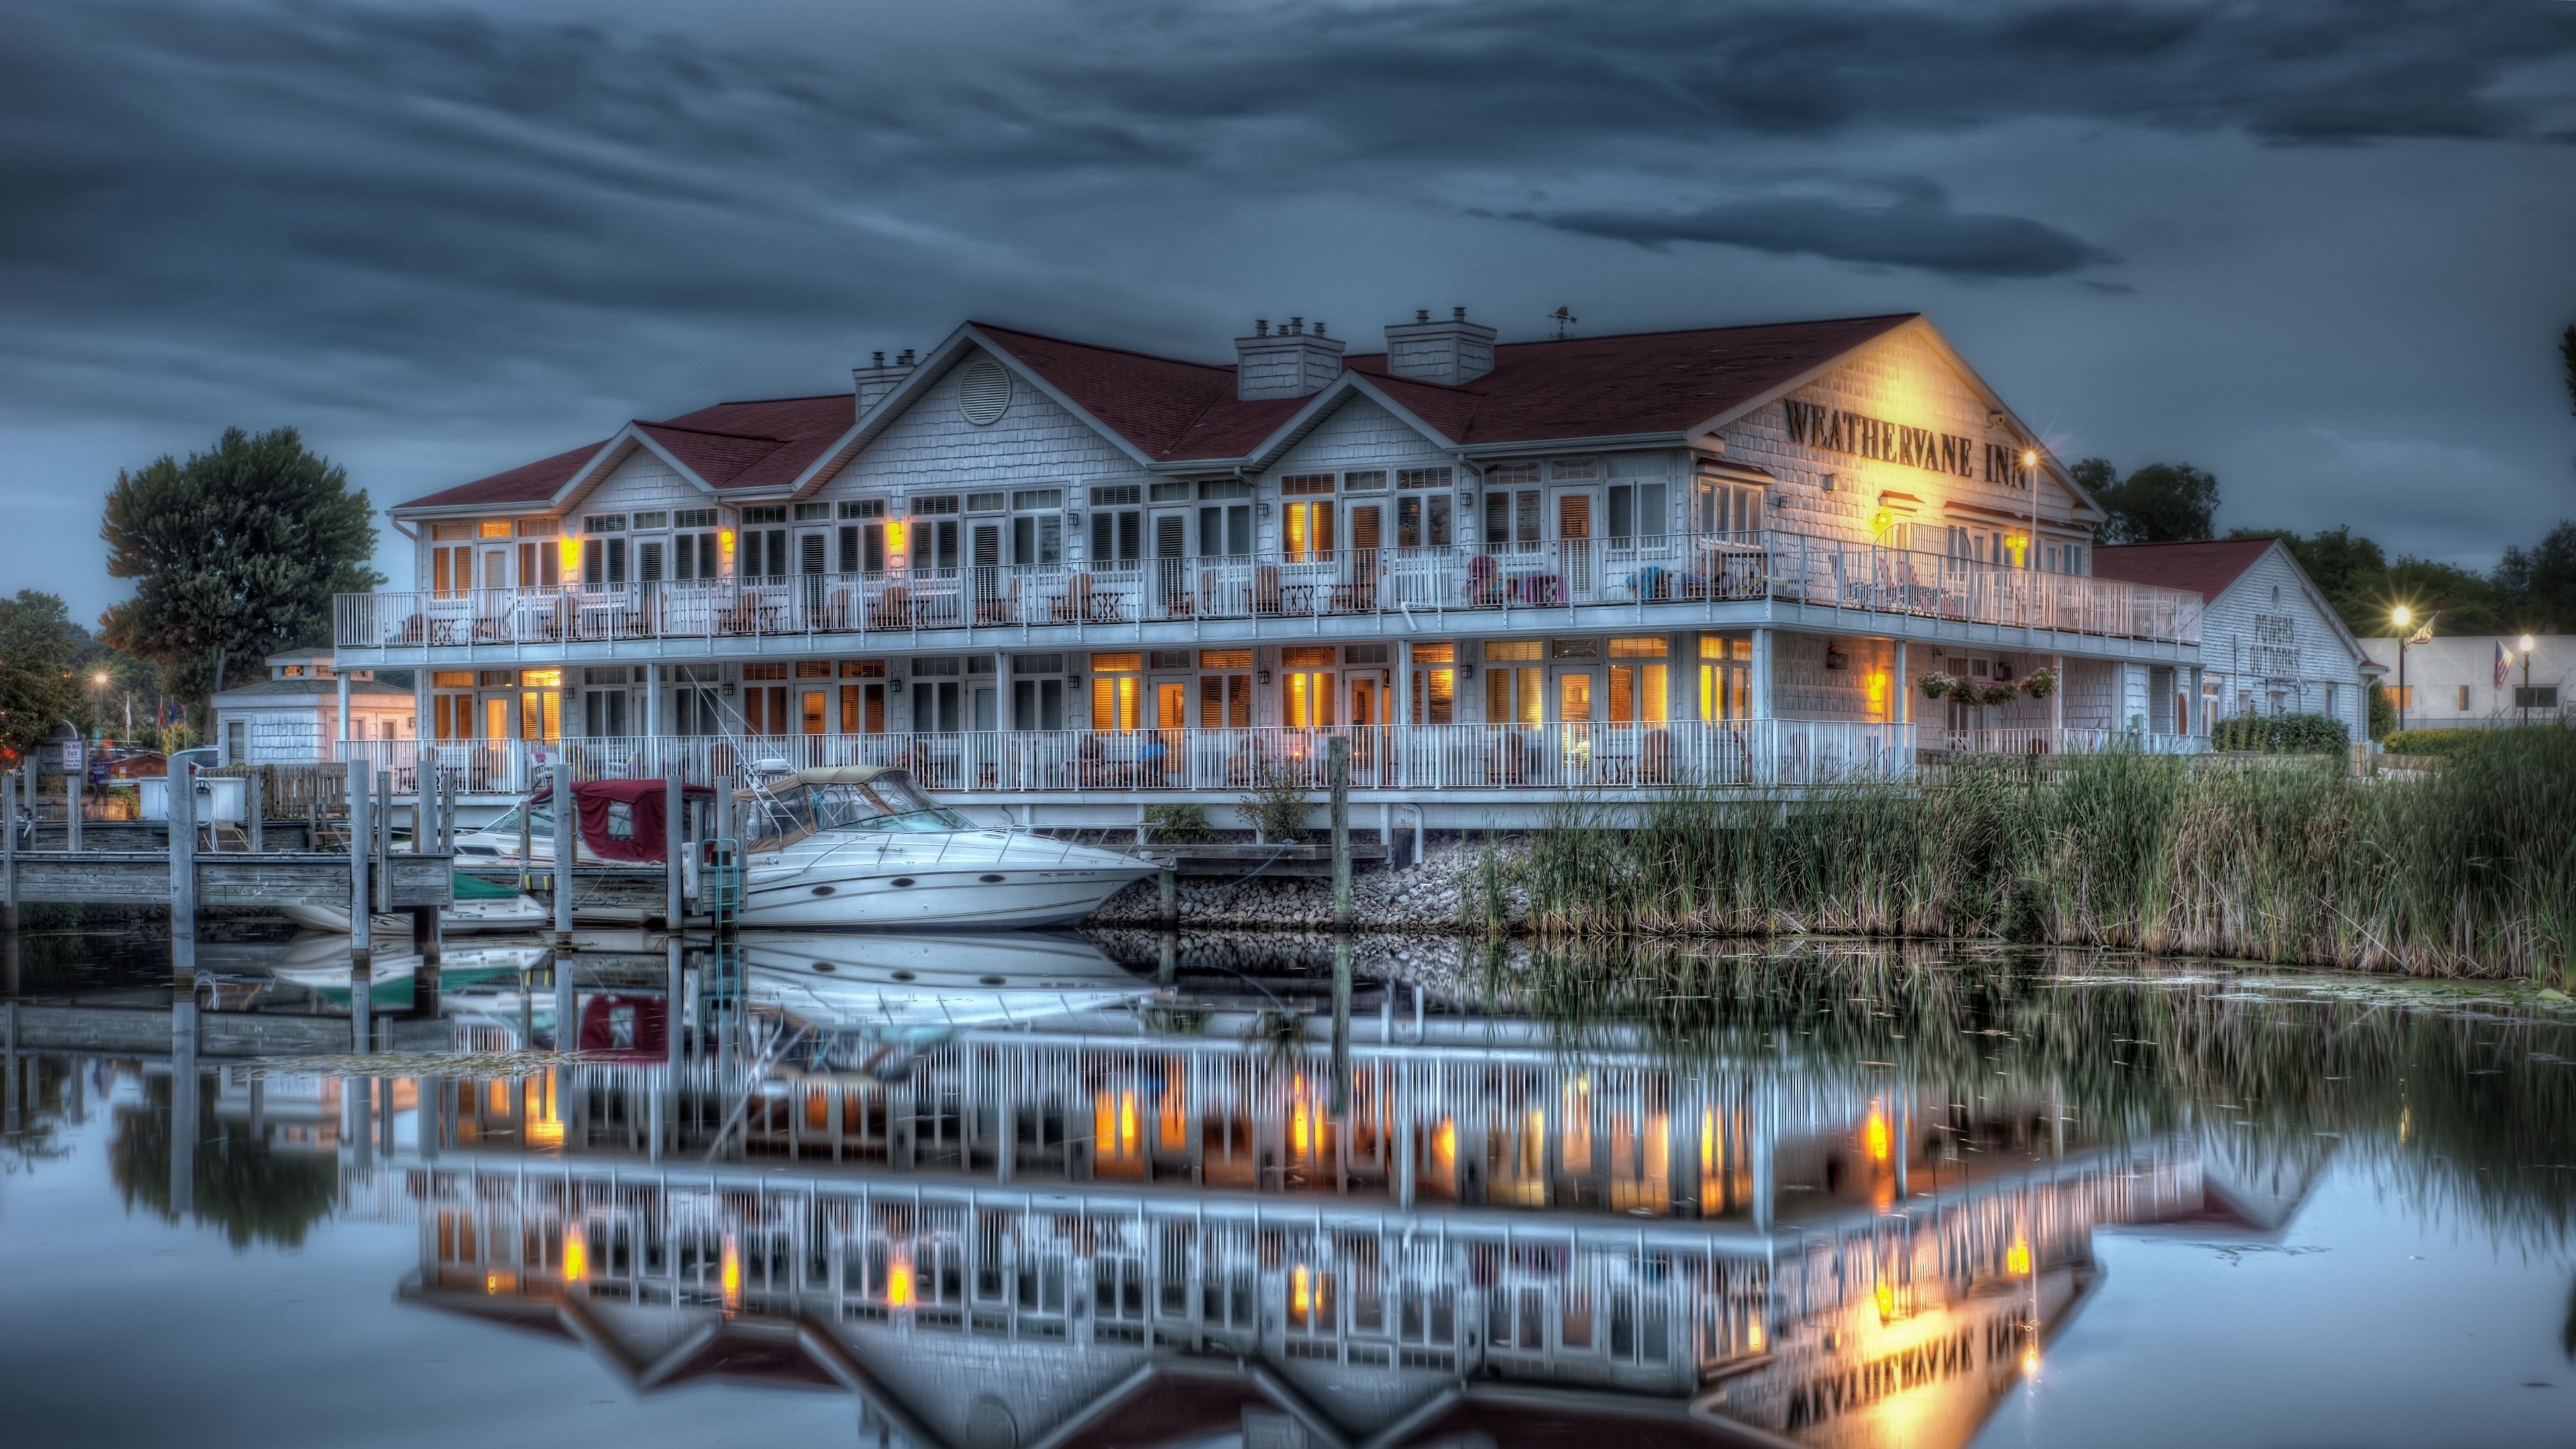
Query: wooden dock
(277,878)
(146,1031)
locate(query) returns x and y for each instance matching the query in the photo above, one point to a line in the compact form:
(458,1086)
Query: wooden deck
(142,878)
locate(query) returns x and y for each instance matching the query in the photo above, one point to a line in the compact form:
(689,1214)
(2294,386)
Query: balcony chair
(892,610)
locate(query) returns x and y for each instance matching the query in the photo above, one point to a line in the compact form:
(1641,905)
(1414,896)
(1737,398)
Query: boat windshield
(887,803)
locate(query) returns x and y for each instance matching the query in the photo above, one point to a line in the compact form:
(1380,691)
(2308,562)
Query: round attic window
(984,393)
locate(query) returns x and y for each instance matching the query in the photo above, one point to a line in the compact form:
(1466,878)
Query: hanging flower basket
(1934,685)
(2000,694)
(2040,684)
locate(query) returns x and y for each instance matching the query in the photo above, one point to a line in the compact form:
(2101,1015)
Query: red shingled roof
(1590,387)
(1172,410)
(2206,567)
(731,445)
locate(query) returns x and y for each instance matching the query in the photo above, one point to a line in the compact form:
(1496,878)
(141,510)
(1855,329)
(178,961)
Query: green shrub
(1178,823)
(2282,734)
(2383,713)
(1276,808)
(2445,743)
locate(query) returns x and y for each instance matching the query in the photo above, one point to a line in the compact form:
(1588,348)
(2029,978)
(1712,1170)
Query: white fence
(1553,758)
(2069,740)
(1669,568)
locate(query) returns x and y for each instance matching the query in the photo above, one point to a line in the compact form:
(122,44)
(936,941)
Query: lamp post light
(2402,617)
(2526,642)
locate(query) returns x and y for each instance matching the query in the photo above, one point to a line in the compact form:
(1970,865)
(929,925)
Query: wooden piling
(383,816)
(182,793)
(1168,880)
(674,851)
(9,855)
(1342,1028)
(1341,764)
(361,912)
(527,843)
(255,809)
(75,775)
(567,845)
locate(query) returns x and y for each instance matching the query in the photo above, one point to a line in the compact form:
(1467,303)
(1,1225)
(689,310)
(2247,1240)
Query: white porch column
(1002,692)
(1762,673)
(2057,702)
(1403,710)
(652,701)
(1901,703)
(340,677)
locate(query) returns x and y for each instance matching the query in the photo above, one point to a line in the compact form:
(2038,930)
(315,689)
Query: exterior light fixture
(895,530)
(569,548)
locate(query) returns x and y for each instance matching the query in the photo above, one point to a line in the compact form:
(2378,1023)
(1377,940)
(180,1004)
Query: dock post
(528,844)
(674,849)
(255,808)
(9,856)
(361,913)
(1341,758)
(1167,969)
(1342,1027)
(183,867)
(185,1129)
(567,1004)
(75,774)
(567,845)
(1169,880)
(383,816)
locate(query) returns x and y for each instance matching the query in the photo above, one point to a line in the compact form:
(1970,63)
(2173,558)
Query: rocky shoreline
(1428,898)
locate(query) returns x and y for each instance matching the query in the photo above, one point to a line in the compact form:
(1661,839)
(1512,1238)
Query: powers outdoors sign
(1837,431)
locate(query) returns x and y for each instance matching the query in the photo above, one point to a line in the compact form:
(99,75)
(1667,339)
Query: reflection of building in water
(1137,1239)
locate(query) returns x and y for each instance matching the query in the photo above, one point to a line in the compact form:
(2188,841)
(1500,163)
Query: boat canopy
(780,812)
(622,819)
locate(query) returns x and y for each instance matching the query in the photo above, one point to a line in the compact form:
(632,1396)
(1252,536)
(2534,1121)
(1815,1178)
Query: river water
(995,1192)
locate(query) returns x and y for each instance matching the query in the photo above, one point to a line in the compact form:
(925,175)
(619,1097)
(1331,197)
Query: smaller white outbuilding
(2269,641)
(2477,681)
(293,716)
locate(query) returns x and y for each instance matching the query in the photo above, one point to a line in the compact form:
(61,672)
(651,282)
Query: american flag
(2504,664)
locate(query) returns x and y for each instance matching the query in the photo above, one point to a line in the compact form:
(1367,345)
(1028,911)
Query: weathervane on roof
(1564,320)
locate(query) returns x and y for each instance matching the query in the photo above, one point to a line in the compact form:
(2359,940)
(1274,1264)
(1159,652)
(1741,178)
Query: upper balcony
(1678,578)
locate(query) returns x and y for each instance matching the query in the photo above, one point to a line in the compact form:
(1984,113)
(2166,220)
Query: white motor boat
(912,989)
(320,964)
(861,845)
(476,916)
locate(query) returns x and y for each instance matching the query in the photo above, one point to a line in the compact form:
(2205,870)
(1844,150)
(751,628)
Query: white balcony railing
(900,605)
(1549,758)
(2066,740)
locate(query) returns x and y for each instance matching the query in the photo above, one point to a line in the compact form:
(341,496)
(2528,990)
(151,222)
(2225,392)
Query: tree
(2567,355)
(2159,503)
(40,651)
(2351,572)
(2537,590)
(235,553)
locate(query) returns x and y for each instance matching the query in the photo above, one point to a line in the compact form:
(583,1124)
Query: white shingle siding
(1359,434)
(2231,632)
(1906,381)
(932,447)
(642,482)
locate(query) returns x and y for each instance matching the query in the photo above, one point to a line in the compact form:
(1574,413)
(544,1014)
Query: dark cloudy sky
(2323,249)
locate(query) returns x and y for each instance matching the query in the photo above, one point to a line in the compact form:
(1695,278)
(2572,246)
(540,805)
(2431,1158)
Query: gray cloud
(291,210)
(1914,227)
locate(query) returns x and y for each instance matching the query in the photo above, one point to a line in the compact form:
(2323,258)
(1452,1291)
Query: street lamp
(2030,476)
(2402,616)
(2526,642)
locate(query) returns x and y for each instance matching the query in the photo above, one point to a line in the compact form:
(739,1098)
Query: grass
(2471,872)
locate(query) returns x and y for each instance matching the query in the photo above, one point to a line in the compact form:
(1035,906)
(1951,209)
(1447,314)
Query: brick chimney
(1448,352)
(1291,362)
(880,377)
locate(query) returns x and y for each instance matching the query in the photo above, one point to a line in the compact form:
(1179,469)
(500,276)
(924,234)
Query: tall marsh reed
(2291,861)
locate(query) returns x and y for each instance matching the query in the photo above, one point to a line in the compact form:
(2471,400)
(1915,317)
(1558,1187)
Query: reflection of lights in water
(1301,1131)
(2030,1363)
(899,1284)
(2017,1258)
(730,1276)
(1877,1135)
(576,1255)
(491,1282)
(1444,1145)
(545,1127)
(1707,1141)
(1886,1302)
(1753,1336)
(1301,1292)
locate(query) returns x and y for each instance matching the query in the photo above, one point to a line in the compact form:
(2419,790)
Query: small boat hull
(974,896)
(464,918)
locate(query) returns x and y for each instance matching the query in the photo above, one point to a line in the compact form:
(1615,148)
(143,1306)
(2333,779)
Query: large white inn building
(1073,580)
